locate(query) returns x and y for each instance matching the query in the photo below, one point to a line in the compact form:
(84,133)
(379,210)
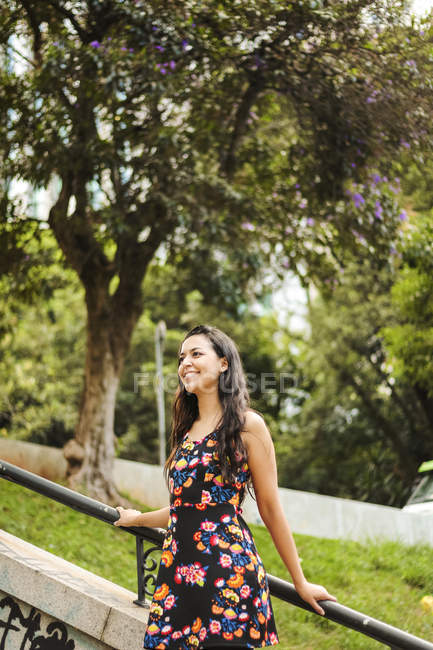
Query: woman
(212,590)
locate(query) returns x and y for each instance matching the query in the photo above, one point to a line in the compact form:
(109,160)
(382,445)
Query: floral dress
(211,589)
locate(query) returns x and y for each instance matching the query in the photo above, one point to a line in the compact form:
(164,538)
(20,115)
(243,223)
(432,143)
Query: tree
(360,431)
(200,133)
(409,338)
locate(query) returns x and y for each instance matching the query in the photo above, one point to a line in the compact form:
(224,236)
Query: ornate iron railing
(146,565)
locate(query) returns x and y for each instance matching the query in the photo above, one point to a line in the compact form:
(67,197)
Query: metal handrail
(382,632)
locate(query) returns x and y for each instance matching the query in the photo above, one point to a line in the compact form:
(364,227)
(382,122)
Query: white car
(421,499)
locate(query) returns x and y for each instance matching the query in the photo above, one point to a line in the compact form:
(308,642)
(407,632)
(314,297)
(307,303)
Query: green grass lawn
(385,581)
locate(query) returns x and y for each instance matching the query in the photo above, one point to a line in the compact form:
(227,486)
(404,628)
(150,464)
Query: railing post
(140,573)
(146,567)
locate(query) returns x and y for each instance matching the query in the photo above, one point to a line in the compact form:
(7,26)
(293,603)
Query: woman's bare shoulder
(254,427)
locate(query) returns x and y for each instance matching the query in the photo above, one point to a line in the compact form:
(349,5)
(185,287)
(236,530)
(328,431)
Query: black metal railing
(386,634)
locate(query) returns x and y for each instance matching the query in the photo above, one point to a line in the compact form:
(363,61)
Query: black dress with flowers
(211,589)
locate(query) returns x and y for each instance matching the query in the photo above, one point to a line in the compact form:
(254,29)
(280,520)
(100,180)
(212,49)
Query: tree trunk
(110,323)
(91,454)
(92,466)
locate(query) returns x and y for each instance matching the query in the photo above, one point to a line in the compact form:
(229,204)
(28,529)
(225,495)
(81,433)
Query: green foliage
(41,349)
(355,573)
(410,340)
(360,430)
(213,126)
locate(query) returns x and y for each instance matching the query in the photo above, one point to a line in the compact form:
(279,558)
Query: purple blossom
(405,144)
(56,43)
(131,49)
(95,44)
(310,221)
(172,64)
(303,204)
(247,225)
(358,199)
(123,49)
(411,63)
(378,211)
(353,164)
(370,99)
(297,186)
(403,215)
(160,48)
(376,179)
(184,44)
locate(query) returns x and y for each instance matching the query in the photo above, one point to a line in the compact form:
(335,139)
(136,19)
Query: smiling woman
(212,589)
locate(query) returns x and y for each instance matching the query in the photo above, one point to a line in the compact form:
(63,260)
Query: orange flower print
(254,633)
(195,627)
(167,558)
(235,581)
(161,592)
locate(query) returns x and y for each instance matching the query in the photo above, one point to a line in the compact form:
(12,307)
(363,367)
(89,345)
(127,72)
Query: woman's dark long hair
(233,394)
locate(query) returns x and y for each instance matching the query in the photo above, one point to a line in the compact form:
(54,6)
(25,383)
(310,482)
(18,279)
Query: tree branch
(228,160)
(68,14)
(34,24)
(74,235)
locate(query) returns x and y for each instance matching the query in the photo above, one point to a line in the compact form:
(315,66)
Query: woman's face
(199,365)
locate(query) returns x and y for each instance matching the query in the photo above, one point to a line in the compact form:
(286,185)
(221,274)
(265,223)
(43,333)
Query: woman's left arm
(263,467)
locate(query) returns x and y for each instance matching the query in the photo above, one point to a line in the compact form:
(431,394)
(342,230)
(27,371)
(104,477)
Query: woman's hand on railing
(312,593)
(128,516)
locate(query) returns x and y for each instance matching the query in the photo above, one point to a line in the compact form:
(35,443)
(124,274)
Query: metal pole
(159,387)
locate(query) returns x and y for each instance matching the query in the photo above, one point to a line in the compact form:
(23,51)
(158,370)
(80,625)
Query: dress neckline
(199,439)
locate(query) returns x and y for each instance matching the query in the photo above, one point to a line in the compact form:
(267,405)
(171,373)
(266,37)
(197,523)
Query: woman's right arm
(153,519)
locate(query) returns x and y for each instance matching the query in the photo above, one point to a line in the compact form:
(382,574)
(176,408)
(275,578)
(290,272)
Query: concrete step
(61,605)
